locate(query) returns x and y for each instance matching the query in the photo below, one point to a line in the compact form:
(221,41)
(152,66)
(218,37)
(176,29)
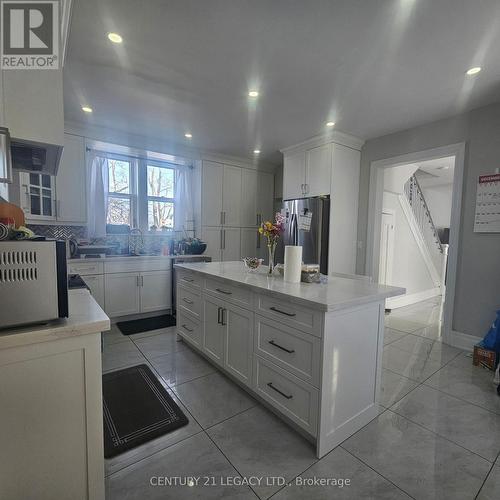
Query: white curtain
(184,212)
(97,205)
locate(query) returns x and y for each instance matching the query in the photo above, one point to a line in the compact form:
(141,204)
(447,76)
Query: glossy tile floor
(437,435)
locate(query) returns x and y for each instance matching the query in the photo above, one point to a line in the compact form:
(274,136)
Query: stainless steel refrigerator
(307,223)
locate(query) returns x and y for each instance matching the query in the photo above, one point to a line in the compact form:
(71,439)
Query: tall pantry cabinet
(234,202)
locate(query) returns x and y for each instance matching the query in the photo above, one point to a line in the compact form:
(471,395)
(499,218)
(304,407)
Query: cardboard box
(484,357)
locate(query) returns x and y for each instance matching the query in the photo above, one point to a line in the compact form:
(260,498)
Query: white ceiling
(373,67)
(438,172)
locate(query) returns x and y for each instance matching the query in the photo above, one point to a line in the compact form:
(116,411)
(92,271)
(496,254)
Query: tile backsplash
(153,243)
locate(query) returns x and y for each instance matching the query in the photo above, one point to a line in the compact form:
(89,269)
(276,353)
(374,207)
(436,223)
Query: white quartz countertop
(338,293)
(125,258)
(85,317)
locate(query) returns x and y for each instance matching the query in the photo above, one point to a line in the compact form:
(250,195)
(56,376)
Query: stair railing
(416,199)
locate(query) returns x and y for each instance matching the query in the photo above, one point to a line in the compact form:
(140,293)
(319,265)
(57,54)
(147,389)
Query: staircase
(423,224)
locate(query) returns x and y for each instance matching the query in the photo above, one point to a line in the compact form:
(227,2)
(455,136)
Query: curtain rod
(138,157)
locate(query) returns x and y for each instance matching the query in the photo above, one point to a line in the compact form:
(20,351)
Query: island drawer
(189,329)
(295,351)
(239,296)
(188,301)
(189,279)
(85,268)
(297,316)
(291,396)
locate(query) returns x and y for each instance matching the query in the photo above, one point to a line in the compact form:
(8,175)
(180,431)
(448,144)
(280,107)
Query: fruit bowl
(252,263)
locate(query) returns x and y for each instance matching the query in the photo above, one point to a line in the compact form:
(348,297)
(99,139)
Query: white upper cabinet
(256,197)
(29,112)
(294,175)
(307,173)
(265,195)
(231,196)
(221,194)
(212,193)
(71,182)
(318,170)
(249,194)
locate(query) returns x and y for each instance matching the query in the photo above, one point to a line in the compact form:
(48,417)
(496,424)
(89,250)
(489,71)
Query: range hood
(30,156)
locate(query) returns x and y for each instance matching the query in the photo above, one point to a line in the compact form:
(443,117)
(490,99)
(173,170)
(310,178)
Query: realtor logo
(30,34)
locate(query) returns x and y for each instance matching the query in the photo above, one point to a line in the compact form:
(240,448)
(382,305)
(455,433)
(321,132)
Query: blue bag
(492,338)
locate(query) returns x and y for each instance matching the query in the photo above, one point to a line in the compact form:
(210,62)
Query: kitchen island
(312,353)
(51,405)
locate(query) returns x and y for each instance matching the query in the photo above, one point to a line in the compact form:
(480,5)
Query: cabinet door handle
(225,292)
(258,240)
(275,309)
(287,396)
(142,280)
(289,351)
(189,280)
(221,247)
(223,317)
(224,240)
(188,329)
(137,280)
(187,301)
(224,217)
(221,219)
(219,310)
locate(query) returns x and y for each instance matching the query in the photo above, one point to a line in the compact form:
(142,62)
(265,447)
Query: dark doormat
(146,324)
(136,408)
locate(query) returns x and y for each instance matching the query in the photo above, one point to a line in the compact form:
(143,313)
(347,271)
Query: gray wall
(478,273)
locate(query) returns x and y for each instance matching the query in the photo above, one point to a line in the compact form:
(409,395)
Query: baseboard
(461,340)
(412,298)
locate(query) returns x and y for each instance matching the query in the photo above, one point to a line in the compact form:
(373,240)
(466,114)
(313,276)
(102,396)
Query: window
(140,193)
(160,196)
(119,192)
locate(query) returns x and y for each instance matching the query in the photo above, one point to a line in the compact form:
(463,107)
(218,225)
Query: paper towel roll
(293,263)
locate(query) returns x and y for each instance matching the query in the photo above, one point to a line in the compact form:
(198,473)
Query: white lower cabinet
(51,420)
(156,291)
(293,397)
(228,336)
(214,327)
(122,294)
(96,284)
(133,293)
(239,342)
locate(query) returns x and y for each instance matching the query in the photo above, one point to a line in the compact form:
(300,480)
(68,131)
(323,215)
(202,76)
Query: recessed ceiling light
(253,93)
(474,71)
(330,124)
(87,109)
(115,37)
(256,151)
(187,135)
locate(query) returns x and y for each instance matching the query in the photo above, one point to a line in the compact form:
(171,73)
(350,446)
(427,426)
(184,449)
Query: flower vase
(271,250)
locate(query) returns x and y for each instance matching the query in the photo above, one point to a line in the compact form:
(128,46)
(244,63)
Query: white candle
(293,263)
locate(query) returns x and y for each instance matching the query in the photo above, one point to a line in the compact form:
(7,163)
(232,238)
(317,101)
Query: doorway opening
(414,224)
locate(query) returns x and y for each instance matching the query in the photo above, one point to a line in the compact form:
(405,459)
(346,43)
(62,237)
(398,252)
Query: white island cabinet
(310,352)
(51,406)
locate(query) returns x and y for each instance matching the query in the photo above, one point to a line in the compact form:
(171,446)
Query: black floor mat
(137,408)
(146,324)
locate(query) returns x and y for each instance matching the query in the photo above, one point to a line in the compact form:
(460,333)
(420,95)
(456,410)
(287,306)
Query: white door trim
(376,191)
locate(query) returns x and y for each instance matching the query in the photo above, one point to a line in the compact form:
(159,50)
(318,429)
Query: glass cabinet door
(40,194)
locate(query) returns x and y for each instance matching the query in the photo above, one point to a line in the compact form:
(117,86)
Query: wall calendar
(487,219)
